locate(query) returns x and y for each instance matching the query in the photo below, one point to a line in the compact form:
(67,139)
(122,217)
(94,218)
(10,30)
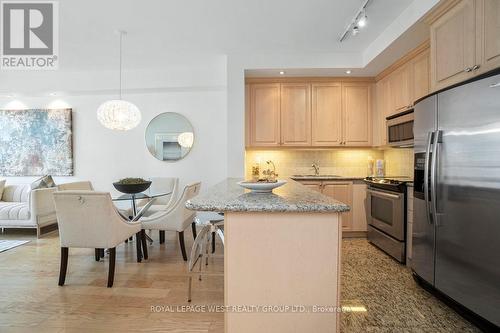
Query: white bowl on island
(262,187)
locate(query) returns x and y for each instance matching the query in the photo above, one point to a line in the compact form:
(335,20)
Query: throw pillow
(2,186)
(43,182)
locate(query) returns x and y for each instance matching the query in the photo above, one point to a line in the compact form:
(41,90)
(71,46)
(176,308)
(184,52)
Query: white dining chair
(76,186)
(163,203)
(88,219)
(176,218)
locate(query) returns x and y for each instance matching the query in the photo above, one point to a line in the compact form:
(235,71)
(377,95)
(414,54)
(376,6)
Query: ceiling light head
(118,115)
(355,30)
(282,72)
(348,71)
(53,94)
(363,20)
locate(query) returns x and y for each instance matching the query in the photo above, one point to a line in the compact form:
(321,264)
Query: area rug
(10,244)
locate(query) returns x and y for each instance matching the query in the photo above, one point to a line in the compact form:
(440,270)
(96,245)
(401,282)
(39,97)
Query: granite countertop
(324,177)
(228,196)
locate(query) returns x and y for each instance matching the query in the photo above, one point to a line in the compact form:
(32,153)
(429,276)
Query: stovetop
(396,183)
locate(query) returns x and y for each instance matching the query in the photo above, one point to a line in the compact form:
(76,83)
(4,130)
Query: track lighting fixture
(359,21)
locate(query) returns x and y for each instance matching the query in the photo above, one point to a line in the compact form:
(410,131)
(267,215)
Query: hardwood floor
(30,297)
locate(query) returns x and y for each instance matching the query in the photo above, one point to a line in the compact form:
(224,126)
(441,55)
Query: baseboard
(354,234)
(48,229)
(467,314)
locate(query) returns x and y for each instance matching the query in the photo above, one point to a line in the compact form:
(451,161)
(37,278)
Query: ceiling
(161,31)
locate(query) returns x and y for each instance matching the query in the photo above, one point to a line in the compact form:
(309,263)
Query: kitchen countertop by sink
(325,177)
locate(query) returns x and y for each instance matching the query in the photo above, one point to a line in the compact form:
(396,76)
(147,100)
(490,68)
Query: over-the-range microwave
(400,129)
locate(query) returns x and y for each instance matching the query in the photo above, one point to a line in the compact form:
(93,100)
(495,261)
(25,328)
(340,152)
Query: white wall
(196,90)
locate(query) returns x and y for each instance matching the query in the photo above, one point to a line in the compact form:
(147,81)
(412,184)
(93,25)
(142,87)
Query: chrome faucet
(315,166)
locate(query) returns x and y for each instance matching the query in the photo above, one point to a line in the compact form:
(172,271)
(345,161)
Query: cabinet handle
(476,67)
(468,69)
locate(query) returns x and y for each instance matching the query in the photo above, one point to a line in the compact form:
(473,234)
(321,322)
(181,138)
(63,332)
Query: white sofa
(21,207)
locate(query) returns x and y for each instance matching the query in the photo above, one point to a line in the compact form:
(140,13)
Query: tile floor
(393,300)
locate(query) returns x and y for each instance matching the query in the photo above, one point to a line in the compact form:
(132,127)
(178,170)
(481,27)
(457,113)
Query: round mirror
(169,136)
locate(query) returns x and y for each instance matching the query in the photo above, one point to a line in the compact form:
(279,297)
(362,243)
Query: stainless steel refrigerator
(456,228)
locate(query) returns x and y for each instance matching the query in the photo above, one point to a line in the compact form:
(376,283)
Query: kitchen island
(281,257)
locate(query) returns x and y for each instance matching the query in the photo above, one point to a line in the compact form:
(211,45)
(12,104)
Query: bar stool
(212,225)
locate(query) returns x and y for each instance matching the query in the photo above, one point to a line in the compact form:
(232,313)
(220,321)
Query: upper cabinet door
(296,114)
(384,107)
(420,75)
(357,114)
(488,24)
(326,114)
(400,88)
(264,107)
(453,45)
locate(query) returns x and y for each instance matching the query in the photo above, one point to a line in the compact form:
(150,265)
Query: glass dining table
(137,211)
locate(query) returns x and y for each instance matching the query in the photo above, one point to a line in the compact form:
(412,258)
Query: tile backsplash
(399,162)
(343,162)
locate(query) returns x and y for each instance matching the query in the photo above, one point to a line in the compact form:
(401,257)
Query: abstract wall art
(36,142)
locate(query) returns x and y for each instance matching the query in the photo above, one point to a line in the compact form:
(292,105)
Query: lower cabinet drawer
(387,244)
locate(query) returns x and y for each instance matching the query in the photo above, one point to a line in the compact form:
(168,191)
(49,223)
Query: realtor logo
(29,35)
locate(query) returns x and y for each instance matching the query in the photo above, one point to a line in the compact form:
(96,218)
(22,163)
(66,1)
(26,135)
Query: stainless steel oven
(386,215)
(386,212)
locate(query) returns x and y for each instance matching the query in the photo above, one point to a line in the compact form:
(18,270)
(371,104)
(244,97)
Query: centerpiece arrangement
(132,185)
(265,184)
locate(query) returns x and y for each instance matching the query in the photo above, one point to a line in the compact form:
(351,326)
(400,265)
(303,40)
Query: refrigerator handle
(434,160)
(426,177)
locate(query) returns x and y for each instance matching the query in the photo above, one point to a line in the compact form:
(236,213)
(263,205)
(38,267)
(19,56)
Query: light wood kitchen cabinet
(316,186)
(309,114)
(295,114)
(326,114)
(247,115)
(465,40)
(352,193)
(383,107)
(264,114)
(341,191)
(359,222)
(357,129)
(453,45)
(488,25)
(400,89)
(420,75)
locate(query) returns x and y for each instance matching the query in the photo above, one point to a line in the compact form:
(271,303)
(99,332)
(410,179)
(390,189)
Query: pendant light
(118,114)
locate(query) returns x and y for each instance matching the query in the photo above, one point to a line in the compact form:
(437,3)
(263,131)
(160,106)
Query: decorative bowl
(132,188)
(261,187)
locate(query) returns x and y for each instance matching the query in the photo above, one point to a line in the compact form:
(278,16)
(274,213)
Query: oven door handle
(426,177)
(385,194)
